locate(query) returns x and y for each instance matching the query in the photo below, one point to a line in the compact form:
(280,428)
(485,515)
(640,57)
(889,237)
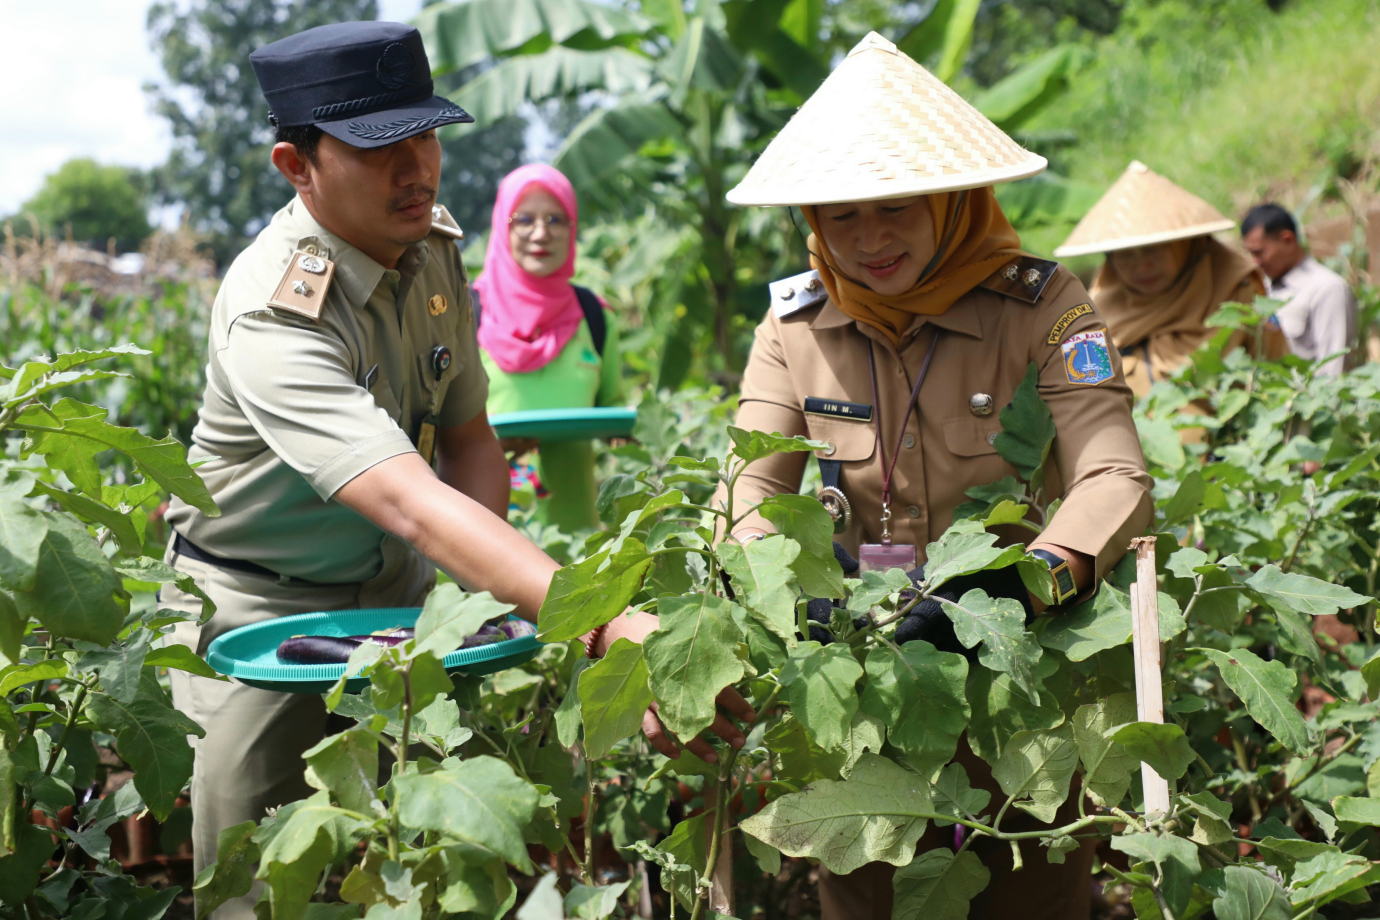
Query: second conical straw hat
(882,126)
(1140,209)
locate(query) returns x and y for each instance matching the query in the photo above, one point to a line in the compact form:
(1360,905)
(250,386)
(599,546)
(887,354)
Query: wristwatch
(1064,586)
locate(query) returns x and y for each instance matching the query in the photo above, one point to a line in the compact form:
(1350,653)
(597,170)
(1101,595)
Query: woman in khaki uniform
(1164,274)
(919,285)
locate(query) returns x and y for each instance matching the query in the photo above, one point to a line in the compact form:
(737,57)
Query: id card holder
(878,557)
(426,438)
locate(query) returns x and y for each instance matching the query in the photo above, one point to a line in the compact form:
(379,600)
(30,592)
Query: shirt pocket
(971,437)
(850,441)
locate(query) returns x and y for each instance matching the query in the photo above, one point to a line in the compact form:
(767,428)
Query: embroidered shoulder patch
(1064,322)
(1086,360)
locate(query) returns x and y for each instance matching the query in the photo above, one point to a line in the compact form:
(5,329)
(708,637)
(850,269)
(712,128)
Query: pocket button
(913,511)
(908,440)
(992,438)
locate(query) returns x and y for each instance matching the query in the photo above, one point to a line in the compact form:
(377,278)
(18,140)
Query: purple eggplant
(518,629)
(317,649)
(388,641)
(488,634)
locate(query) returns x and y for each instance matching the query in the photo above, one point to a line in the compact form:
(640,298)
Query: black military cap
(365,83)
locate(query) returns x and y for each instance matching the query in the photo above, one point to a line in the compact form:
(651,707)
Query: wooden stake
(1145,639)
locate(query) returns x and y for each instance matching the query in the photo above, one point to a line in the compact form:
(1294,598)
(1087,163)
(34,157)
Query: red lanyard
(889,468)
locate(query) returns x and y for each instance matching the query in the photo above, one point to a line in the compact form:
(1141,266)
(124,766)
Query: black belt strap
(184,547)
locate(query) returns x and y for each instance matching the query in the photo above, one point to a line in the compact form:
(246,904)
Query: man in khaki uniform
(919,277)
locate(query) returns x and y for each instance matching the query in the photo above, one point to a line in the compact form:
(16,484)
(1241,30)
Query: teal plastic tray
(565,424)
(250,654)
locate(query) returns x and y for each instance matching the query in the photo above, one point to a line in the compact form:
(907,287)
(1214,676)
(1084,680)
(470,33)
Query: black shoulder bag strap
(594,316)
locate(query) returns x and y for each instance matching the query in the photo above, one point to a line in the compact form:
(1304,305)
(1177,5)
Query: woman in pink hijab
(545,343)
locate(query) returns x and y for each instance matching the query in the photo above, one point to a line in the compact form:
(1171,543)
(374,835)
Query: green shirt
(575,378)
(296,408)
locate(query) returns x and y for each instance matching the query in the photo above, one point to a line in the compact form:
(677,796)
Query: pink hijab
(526,320)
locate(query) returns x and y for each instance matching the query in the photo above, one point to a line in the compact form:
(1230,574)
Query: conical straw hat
(882,126)
(1140,209)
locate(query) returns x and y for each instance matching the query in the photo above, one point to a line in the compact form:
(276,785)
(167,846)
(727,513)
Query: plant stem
(721,803)
(399,768)
(66,729)
(588,865)
(1239,748)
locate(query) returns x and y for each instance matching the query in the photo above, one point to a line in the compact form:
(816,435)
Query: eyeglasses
(526,224)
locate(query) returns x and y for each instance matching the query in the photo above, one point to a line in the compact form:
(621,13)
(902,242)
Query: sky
(74,89)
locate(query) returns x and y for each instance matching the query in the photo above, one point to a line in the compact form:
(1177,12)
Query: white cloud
(74,89)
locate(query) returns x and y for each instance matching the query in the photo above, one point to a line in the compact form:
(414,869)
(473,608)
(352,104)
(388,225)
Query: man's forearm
(402,496)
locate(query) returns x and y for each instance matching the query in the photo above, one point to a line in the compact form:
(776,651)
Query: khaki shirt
(296,408)
(987,341)
(1319,314)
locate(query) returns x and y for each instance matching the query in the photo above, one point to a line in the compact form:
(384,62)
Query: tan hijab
(1172,325)
(974,239)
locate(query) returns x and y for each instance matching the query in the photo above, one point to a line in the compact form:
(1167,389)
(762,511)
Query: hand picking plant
(82,644)
(852,754)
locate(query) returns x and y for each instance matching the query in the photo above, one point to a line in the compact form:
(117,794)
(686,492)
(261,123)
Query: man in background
(1319,313)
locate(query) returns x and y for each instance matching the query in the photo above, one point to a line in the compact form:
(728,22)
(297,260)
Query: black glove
(928,621)
(847,562)
(821,609)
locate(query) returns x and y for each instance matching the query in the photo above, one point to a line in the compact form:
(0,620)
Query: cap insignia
(395,66)
(414,124)
(437,305)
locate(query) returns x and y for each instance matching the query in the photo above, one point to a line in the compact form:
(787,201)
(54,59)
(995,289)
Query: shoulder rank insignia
(1086,361)
(796,293)
(1023,278)
(302,290)
(444,224)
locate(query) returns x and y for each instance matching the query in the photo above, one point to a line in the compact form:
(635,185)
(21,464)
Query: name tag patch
(837,408)
(1064,322)
(1086,360)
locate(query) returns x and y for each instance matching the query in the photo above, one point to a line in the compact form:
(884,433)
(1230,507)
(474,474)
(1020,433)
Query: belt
(184,547)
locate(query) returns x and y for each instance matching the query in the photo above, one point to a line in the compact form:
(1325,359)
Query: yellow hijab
(1173,324)
(974,239)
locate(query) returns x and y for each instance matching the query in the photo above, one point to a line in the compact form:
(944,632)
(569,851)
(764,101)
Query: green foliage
(82,640)
(852,754)
(90,203)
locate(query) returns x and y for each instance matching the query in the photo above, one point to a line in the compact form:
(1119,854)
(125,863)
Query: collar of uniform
(961,318)
(356,275)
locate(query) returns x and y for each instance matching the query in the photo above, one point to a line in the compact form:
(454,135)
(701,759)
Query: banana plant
(687,97)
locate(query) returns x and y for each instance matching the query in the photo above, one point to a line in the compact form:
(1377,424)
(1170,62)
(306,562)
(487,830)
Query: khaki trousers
(1040,891)
(251,758)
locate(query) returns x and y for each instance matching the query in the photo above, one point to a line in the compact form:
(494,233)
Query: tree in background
(92,204)
(219,168)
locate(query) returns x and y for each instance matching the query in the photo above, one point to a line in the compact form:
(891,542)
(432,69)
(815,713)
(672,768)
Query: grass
(1235,103)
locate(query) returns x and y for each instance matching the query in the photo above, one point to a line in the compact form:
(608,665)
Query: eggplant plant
(82,641)
(1270,744)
